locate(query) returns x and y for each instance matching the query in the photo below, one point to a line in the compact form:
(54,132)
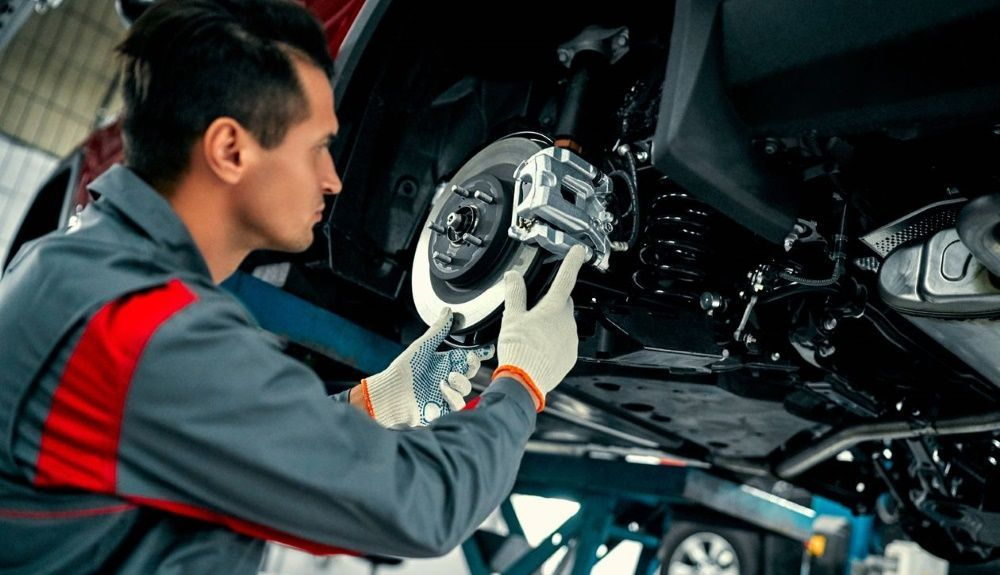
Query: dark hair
(188,62)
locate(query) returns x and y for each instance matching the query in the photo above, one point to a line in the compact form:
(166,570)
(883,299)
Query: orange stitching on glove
(368,399)
(539,396)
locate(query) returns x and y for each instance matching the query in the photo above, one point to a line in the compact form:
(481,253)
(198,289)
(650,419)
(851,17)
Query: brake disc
(464,248)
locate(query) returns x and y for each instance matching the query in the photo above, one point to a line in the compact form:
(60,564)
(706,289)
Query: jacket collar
(150,211)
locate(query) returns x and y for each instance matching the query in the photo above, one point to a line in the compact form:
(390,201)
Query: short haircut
(188,62)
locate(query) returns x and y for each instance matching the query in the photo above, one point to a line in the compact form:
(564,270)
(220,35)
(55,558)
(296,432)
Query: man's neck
(205,216)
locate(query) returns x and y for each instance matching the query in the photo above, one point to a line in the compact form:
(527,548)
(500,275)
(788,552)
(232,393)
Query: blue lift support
(310,326)
(603,485)
(600,485)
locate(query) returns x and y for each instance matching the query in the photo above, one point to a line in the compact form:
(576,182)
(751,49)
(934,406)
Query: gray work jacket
(149,426)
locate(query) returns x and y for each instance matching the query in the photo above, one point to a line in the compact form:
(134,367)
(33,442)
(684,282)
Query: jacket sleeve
(219,422)
(342,397)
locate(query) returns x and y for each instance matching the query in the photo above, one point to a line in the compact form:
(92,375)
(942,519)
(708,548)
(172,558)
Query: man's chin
(303,246)
(295,246)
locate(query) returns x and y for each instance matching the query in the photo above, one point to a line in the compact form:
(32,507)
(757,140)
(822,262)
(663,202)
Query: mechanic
(149,425)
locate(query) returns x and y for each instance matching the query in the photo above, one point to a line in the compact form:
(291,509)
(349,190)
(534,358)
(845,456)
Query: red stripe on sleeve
(79,446)
(240,526)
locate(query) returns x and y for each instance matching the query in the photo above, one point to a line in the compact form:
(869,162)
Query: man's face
(282,196)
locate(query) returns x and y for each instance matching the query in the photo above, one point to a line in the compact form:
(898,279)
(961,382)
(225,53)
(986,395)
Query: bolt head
(564,56)
(775,356)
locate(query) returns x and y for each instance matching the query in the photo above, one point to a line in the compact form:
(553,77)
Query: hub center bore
(461,223)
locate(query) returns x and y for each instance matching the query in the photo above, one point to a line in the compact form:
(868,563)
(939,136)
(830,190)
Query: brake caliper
(560,202)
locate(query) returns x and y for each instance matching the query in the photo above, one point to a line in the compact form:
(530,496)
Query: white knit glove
(539,346)
(423,384)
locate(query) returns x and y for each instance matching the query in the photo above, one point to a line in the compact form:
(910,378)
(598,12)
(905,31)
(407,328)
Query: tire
(699,548)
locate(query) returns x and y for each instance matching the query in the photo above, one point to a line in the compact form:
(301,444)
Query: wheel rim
(703,553)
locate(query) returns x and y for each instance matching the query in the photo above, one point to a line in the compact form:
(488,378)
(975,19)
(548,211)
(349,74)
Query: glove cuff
(386,401)
(540,363)
(366,395)
(500,371)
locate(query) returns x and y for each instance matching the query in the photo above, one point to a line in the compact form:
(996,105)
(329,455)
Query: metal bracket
(612,42)
(804,231)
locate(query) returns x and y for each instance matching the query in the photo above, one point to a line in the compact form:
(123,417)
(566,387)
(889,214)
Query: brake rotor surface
(464,249)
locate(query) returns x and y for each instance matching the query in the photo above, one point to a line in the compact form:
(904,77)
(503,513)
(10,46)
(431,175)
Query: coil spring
(674,246)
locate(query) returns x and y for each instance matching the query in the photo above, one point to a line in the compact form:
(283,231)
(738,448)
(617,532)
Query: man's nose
(330,181)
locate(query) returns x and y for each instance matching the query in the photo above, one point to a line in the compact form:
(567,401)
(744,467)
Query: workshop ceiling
(57,75)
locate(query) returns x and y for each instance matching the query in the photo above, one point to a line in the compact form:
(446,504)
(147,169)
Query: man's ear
(227,148)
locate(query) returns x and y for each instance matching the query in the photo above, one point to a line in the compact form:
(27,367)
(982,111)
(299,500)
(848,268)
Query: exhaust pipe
(804,460)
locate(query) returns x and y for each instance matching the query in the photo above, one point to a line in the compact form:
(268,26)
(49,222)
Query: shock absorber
(675,245)
(584,107)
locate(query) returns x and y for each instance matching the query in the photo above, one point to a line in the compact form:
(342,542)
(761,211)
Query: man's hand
(538,347)
(422,384)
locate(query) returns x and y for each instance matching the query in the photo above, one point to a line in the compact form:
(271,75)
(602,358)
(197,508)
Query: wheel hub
(470,233)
